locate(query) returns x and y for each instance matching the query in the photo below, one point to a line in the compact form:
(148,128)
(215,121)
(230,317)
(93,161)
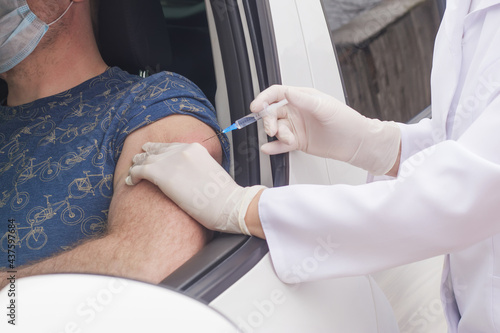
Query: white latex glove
(321,125)
(191,178)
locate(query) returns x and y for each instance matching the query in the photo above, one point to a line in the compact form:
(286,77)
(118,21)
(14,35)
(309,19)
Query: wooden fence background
(385,56)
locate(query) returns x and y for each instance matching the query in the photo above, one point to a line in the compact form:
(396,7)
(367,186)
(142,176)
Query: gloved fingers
(282,112)
(159,147)
(158,151)
(313,92)
(139,158)
(285,133)
(300,99)
(270,125)
(295,95)
(275,147)
(269,96)
(135,175)
(154,152)
(287,141)
(304,99)
(272,122)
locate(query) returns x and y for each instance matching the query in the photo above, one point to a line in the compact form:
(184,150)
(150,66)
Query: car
(233,50)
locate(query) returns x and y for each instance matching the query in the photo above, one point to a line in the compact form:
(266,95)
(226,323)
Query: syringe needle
(213,136)
(251,118)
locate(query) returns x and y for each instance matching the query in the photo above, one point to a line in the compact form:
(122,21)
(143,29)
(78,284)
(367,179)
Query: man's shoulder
(167,93)
(155,97)
(160,85)
(172,84)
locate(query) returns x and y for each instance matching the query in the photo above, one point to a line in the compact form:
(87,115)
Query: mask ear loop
(60,17)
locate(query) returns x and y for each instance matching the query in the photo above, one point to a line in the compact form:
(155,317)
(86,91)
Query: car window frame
(227,258)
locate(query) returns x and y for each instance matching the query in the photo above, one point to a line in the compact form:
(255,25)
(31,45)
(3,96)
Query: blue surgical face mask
(21,31)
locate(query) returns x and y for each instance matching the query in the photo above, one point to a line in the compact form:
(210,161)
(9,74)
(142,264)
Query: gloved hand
(191,178)
(321,125)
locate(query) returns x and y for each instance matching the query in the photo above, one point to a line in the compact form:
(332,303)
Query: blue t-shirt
(58,155)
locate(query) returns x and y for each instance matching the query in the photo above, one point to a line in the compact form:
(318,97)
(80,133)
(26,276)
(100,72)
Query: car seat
(138,37)
(133,35)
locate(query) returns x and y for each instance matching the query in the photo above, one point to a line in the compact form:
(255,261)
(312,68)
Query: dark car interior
(148,36)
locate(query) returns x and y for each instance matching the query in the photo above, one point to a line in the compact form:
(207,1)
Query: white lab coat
(446,199)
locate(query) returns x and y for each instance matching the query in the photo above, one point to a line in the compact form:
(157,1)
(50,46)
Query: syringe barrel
(247,120)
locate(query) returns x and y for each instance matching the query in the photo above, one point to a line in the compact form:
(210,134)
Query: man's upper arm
(145,207)
(174,128)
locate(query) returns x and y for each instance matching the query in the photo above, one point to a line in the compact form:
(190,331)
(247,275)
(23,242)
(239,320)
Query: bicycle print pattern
(17,160)
(57,155)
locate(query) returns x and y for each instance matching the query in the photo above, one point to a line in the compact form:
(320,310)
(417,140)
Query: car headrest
(133,35)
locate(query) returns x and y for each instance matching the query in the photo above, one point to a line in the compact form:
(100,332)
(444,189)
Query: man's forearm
(139,249)
(90,257)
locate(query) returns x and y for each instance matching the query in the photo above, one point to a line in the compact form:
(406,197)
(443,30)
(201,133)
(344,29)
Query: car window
(384,49)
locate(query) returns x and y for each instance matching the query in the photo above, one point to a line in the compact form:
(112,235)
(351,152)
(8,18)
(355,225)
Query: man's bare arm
(148,235)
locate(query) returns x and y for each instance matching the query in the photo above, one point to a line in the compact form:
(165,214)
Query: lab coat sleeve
(445,198)
(416,137)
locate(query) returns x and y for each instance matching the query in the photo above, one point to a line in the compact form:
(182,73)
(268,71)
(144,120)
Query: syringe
(253,117)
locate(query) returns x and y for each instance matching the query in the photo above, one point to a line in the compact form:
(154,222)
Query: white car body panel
(78,303)
(307,58)
(323,306)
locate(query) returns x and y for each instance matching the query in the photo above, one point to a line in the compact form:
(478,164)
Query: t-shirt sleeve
(159,96)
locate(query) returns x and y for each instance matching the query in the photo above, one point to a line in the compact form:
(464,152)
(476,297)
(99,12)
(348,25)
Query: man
(68,131)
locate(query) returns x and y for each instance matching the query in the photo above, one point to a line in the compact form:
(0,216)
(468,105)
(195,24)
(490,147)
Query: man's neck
(30,84)
(47,73)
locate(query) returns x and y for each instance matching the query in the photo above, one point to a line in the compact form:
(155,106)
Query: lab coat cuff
(415,138)
(277,248)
